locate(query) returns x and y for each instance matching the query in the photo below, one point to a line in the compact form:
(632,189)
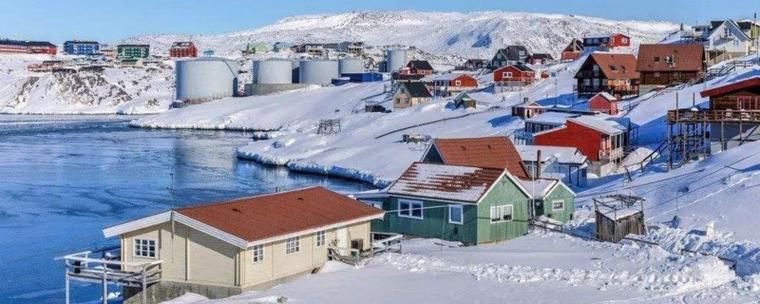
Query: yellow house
(410,94)
(222,249)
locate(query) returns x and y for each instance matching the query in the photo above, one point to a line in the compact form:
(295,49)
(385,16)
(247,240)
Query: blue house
(76,47)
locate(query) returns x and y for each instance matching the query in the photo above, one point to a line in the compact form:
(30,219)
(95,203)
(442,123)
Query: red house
(619,40)
(27,47)
(604,102)
(572,51)
(514,75)
(601,140)
(183,49)
(448,84)
(42,47)
(417,67)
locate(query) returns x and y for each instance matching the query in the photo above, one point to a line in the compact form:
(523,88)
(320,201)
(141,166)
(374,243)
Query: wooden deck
(712,116)
(105,267)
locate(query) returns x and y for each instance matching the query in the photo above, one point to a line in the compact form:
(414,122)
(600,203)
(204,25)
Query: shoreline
(314,168)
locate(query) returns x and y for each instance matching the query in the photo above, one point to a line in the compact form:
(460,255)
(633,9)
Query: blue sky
(111,20)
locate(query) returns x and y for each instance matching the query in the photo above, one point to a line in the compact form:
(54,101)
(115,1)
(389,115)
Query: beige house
(410,94)
(222,249)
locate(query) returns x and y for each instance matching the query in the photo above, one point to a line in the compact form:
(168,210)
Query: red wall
(517,75)
(617,40)
(467,81)
(571,55)
(587,140)
(600,104)
(190,51)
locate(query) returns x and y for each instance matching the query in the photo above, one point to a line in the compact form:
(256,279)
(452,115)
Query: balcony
(608,155)
(708,116)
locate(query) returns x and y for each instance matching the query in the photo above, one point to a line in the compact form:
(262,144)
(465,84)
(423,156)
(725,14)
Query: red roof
(483,152)
(266,216)
(686,57)
(752,82)
(616,66)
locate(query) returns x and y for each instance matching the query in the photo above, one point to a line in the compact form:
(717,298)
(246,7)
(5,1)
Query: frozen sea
(64,178)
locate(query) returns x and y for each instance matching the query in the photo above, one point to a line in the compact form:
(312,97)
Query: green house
(132,51)
(485,201)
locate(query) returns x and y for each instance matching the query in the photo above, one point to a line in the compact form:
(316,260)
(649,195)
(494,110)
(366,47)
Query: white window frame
(506,75)
(138,242)
(458,83)
(293,245)
(558,201)
(461,214)
(320,238)
(257,253)
(500,211)
(407,212)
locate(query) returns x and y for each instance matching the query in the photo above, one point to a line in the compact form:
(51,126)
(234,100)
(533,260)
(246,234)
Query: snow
(563,155)
(538,188)
(441,181)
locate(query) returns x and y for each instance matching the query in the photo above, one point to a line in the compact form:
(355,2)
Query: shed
(618,216)
(605,103)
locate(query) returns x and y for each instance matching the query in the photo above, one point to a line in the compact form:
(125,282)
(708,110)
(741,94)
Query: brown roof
(686,57)
(484,152)
(747,83)
(266,216)
(616,66)
(446,182)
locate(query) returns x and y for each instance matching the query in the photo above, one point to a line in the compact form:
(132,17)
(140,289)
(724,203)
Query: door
(343,242)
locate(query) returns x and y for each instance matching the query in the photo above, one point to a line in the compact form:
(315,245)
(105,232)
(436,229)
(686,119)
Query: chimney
(537,167)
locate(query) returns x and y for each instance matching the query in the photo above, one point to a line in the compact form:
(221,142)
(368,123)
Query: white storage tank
(319,72)
(203,79)
(350,66)
(396,59)
(272,71)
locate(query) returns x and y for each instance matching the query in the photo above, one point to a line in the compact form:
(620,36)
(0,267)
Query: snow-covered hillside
(476,34)
(113,90)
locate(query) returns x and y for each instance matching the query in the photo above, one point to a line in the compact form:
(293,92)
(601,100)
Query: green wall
(505,192)
(559,193)
(434,222)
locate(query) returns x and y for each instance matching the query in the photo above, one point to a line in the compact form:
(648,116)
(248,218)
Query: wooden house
(607,42)
(410,94)
(605,103)
(540,58)
(513,54)
(473,100)
(474,64)
(618,216)
(514,75)
(733,113)
(602,139)
(527,109)
(573,50)
(567,164)
(182,49)
(225,248)
(450,84)
(473,190)
(663,65)
(726,40)
(608,72)
(417,68)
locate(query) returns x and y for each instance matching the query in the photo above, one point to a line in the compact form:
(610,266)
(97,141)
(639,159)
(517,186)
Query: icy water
(64,178)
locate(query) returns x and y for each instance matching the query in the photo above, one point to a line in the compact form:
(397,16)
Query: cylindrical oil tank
(396,59)
(350,66)
(319,72)
(273,71)
(205,79)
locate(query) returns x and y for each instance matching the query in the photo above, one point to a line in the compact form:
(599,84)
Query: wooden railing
(611,154)
(689,115)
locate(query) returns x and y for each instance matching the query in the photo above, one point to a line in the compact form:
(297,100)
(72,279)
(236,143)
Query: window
(558,205)
(656,58)
(657,74)
(458,83)
(258,253)
(456,215)
(501,213)
(507,75)
(145,248)
(410,209)
(293,245)
(320,238)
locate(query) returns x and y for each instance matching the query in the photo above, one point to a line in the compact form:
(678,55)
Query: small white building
(726,41)
(564,163)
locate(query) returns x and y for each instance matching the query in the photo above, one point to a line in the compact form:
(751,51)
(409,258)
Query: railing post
(144,299)
(68,293)
(105,284)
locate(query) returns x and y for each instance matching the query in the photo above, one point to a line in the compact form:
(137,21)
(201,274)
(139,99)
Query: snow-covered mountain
(476,34)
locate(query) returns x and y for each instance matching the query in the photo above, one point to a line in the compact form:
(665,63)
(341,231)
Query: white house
(564,163)
(727,41)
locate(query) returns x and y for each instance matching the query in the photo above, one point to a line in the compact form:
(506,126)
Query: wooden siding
(559,193)
(613,231)
(505,192)
(435,222)
(667,78)
(587,140)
